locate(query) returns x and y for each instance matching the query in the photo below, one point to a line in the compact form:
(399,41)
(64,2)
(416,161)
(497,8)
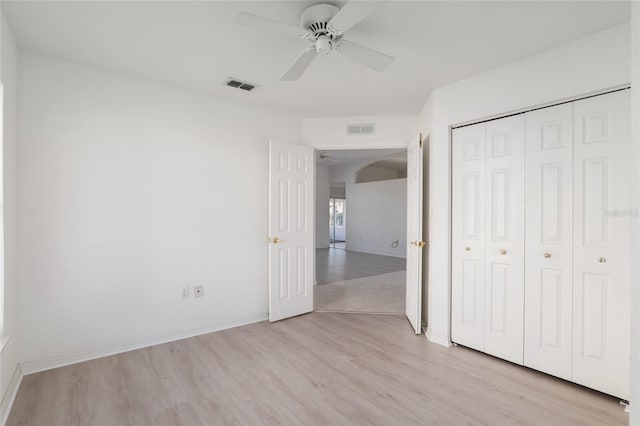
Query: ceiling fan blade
(352,13)
(300,65)
(369,57)
(254,21)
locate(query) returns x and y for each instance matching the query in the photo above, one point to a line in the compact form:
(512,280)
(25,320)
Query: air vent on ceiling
(361,129)
(239,84)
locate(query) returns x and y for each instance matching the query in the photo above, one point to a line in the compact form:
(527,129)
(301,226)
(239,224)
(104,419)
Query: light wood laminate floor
(320,368)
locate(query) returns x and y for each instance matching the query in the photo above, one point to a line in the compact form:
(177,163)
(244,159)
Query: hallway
(350,281)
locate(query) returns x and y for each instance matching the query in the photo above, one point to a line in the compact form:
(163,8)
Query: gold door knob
(547,255)
(421,244)
(503,252)
(467,249)
(602,259)
(275,240)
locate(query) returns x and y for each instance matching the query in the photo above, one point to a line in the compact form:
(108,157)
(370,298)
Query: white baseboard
(10,395)
(437,338)
(87,355)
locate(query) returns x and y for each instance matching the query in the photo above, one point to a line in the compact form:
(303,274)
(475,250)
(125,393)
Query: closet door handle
(547,255)
(602,259)
(467,249)
(503,252)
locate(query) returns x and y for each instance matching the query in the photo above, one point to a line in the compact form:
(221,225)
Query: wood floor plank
(316,369)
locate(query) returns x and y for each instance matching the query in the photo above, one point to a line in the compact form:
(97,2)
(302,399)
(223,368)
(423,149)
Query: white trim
(350,145)
(10,395)
(570,99)
(4,339)
(439,339)
(87,355)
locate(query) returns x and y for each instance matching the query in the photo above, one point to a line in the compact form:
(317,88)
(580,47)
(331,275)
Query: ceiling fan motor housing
(316,19)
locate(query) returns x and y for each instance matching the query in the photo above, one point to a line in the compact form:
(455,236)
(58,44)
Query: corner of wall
(10,373)
(10,395)
(634,415)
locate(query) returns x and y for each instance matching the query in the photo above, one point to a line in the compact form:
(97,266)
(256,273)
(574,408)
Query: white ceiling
(196,45)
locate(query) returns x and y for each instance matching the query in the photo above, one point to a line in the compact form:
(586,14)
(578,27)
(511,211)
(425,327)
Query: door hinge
(420,139)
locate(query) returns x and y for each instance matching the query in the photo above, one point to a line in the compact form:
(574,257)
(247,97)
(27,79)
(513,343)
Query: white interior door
(504,238)
(549,237)
(414,235)
(291,229)
(468,233)
(602,229)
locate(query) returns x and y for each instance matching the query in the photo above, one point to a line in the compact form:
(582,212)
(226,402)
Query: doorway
(294,174)
(337,222)
(361,266)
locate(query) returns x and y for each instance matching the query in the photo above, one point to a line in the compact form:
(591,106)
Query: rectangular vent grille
(361,129)
(239,84)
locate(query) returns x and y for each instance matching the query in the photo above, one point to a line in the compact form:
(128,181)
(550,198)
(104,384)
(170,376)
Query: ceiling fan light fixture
(323,45)
(324,25)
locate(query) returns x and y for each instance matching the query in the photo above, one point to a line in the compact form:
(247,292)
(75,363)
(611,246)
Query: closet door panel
(602,263)
(468,234)
(504,248)
(549,240)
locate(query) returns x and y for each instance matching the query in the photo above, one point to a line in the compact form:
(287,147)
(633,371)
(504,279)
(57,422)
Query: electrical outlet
(198,291)
(186,292)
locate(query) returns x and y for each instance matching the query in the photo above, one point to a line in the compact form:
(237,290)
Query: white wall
(128,191)
(367,229)
(635,221)
(373,173)
(9,77)
(322,206)
(593,63)
(392,131)
(377,216)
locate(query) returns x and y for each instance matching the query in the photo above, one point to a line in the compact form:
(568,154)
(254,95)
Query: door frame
(344,147)
(334,220)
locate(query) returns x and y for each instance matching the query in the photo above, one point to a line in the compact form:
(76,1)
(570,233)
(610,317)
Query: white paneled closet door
(602,228)
(504,239)
(549,240)
(468,234)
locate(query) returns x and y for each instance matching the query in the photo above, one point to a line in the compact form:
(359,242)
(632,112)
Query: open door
(291,229)
(414,235)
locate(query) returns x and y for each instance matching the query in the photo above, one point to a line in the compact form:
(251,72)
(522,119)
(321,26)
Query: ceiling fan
(324,26)
(327,157)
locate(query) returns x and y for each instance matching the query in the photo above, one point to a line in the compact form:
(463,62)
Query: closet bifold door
(602,242)
(504,239)
(549,240)
(468,236)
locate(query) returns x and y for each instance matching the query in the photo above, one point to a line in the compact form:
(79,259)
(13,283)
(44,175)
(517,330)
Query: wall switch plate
(198,291)
(186,292)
